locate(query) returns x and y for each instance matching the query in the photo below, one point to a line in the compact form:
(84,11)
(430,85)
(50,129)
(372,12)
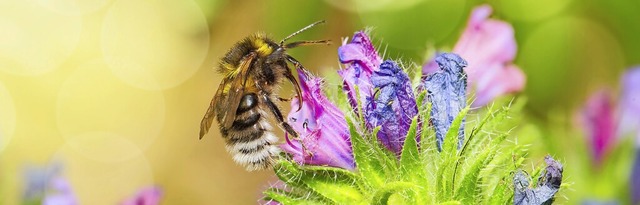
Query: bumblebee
(253,69)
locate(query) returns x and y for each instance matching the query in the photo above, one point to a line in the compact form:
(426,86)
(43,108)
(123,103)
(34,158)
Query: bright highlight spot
(35,40)
(93,100)
(154,46)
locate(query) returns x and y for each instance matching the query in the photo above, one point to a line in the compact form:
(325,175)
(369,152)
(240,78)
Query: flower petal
(361,60)
(630,103)
(61,193)
(322,127)
(393,107)
(498,82)
(485,41)
(489,46)
(598,118)
(146,196)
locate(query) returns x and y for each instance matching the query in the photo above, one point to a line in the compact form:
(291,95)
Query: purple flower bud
(322,126)
(146,196)
(446,91)
(547,187)
(600,123)
(45,184)
(392,107)
(361,59)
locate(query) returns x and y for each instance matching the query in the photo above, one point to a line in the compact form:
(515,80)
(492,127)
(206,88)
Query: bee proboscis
(252,69)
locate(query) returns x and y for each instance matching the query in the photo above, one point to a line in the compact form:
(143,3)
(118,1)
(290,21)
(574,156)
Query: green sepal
(369,168)
(289,197)
(337,185)
(448,159)
(467,191)
(450,203)
(411,165)
(383,195)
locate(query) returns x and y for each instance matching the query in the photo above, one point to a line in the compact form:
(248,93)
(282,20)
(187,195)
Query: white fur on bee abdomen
(258,153)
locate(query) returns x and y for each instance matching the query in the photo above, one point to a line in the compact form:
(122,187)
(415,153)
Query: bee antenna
(300,31)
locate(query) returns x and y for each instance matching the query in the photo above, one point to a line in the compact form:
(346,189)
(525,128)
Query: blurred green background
(116,89)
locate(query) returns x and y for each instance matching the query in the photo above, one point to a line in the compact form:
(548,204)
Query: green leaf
(410,162)
(340,192)
(450,146)
(424,111)
(420,100)
(500,190)
(337,185)
(289,173)
(467,190)
(448,159)
(411,167)
(287,197)
(503,192)
(450,203)
(383,194)
(369,168)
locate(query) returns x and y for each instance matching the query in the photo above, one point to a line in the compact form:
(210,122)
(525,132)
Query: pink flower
(146,196)
(322,126)
(599,120)
(489,46)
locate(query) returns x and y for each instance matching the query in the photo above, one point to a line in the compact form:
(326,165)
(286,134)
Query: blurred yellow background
(116,89)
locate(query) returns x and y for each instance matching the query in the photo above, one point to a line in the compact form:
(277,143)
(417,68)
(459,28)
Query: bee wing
(207,120)
(234,86)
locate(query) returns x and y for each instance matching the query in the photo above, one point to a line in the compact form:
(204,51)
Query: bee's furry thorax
(257,42)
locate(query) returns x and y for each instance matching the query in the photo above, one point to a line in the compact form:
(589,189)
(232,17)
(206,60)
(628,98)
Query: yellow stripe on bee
(227,66)
(226,89)
(233,72)
(263,48)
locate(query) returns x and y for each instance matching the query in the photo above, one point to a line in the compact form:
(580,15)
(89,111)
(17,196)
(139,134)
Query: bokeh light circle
(154,46)
(35,40)
(73,7)
(103,146)
(7,117)
(103,182)
(569,58)
(93,100)
(412,28)
(531,10)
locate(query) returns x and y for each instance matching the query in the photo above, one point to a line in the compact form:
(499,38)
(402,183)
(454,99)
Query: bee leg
(289,76)
(284,125)
(285,99)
